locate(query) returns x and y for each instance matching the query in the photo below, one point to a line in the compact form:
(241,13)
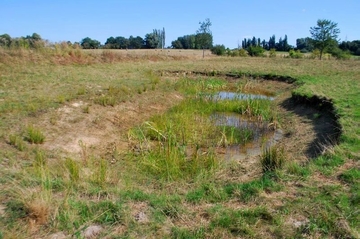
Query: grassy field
(94,143)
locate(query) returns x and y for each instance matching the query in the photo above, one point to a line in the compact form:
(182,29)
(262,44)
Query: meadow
(118,144)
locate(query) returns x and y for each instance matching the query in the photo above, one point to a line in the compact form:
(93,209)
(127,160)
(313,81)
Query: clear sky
(232,20)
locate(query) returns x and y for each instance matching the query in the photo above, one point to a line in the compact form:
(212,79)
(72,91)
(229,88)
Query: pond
(225,95)
(262,135)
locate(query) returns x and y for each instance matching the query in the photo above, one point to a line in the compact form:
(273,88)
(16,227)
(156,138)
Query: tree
(88,43)
(304,44)
(151,41)
(5,40)
(324,35)
(136,42)
(204,37)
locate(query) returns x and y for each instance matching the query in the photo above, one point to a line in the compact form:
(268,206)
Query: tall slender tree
(204,35)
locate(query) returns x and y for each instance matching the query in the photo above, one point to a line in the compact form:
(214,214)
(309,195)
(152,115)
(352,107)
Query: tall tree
(272,42)
(163,38)
(204,35)
(151,41)
(324,35)
(136,42)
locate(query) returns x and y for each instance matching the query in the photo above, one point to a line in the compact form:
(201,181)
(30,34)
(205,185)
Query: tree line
(324,39)
(281,45)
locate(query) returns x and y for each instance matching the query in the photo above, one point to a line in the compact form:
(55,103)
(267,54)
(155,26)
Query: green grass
(34,135)
(172,174)
(272,159)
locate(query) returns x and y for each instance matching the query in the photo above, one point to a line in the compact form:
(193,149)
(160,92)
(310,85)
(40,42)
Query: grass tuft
(34,135)
(272,158)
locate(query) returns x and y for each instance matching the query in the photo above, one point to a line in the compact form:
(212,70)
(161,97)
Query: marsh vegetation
(140,147)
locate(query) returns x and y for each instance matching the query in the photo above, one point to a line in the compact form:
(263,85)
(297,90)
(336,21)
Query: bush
(256,51)
(315,54)
(218,50)
(340,54)
(295,54)
(272,53)
(243,52)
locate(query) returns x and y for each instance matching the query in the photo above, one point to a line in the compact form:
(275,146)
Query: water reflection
(225,95)
(263,136)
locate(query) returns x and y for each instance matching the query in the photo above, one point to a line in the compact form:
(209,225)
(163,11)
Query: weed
(81,91)
(250,190)
(101,171)
(296,169)
(34,135)
(86,109)
(272,158)
(17,142)
(105,101)
(183,233)
(350,176)
(74,170)
(40,159)
(207,192)
(327,162)
(239,222)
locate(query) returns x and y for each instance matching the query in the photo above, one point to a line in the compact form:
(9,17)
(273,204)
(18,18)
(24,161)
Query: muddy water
(263,135)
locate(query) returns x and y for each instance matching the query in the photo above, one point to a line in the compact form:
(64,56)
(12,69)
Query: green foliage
(350,176)
(324,35)
(183,233)
(40,159)
(315,54)
(272,158)
(295,54)
(218,50)
(204,38)
(34,135)
(304,45)
(208,192)
(235,135)
(298,170)
(339,54)
(250,190)
(100,173)
(327,162)
(256,51)
(239,222)
(151,41)
(17,142)
(73,168)
(88,43)
(15,209)
(243,52)
(272,53)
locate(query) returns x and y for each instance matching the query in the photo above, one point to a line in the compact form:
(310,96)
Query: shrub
(243,52)
(272,53)
(315,54)
(256,51)
(218,50)
(340,54)
(295,54)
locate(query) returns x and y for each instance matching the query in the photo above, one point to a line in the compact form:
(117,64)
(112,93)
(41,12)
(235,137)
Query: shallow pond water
(263,135)
(225,95)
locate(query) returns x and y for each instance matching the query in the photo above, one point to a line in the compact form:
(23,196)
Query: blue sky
(232,20)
